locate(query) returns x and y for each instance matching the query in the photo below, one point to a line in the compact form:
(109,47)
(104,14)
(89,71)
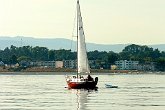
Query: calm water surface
(48,92)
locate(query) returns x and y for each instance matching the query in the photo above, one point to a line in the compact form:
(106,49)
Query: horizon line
(49,38)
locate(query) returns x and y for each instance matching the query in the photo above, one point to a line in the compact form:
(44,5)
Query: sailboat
(78,81)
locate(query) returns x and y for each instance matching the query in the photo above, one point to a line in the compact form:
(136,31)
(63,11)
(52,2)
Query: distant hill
(60,43)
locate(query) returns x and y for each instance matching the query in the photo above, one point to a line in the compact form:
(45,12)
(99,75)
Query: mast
(77,34)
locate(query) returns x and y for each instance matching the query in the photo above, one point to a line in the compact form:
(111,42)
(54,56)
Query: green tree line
(143,54)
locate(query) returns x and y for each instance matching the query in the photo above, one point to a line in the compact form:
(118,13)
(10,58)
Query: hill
(60,43)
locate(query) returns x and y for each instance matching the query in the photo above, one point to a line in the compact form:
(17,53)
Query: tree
(161,64)
(51,55)
(40,53)
(139,53)
(112,57)
(23,58)
(63,54)
(13,59)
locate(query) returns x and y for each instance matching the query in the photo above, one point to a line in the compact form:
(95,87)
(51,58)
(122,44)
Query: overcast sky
(105,21)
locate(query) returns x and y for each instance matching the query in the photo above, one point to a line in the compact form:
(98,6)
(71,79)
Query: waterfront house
(50,64)
(126,65)
(146,67)
(59,64)
(69,64)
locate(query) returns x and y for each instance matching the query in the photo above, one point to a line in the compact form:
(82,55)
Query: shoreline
(70,73)
(63,71)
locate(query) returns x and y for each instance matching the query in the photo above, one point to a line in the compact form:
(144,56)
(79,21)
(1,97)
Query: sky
(105,21)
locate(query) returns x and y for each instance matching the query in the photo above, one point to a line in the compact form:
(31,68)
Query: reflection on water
(82,97)
(81,100)
(48,92)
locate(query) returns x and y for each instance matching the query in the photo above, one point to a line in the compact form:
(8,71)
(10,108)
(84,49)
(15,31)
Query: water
(48,92)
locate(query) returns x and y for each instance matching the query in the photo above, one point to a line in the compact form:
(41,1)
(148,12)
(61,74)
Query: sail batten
(83,65)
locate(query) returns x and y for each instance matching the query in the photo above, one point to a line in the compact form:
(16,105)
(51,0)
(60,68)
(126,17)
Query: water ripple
(48,92)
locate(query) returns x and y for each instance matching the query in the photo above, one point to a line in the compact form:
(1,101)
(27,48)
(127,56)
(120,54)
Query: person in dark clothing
(89,78)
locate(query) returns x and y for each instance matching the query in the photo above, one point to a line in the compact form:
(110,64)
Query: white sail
(83,65)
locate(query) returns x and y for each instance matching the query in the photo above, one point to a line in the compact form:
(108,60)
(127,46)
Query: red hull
(85,83)
(80,85)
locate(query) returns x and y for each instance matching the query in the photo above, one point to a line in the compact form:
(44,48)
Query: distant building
(113,67)
(43,64)
(1,63)
(59,64)
(73,64)
(69,63)
(126,65)
(146,67)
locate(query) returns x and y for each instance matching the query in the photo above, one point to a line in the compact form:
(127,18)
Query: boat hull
(82,85)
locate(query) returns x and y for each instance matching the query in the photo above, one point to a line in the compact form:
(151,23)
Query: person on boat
(89,78)
(81,77)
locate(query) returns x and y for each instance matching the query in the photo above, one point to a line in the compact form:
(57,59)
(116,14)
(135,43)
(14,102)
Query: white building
(113,67)
(126,65)
(59,64)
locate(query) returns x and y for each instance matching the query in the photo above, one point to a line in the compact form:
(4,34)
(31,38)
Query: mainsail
(83,65)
